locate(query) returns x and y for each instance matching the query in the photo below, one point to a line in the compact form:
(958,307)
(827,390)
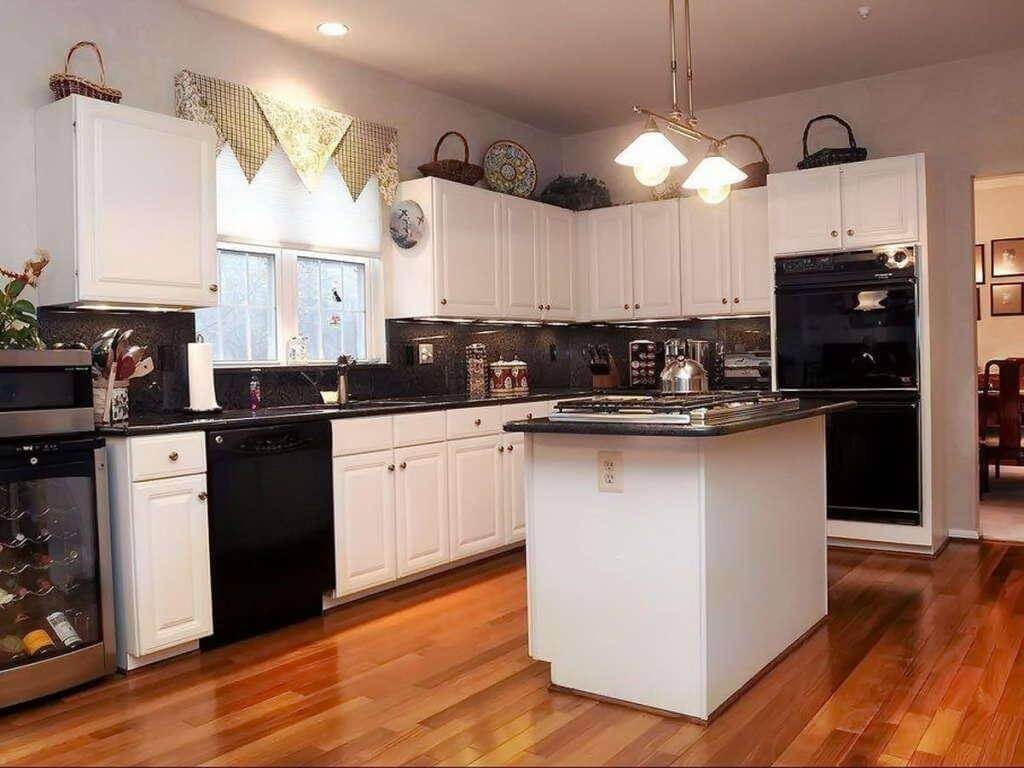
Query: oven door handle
(823,287)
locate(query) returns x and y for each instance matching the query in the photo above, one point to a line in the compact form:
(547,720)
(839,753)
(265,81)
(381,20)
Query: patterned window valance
(251,122)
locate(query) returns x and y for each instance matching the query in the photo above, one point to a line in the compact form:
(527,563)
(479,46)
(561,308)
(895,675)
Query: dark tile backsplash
(553,352)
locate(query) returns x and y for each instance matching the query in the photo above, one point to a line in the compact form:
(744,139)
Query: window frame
(286,285)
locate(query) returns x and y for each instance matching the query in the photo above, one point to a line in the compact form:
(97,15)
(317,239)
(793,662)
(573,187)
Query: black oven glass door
(873,463)
(43,388)
(861,336)
(49,561)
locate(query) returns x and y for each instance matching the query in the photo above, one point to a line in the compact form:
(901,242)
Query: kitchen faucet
(344,363)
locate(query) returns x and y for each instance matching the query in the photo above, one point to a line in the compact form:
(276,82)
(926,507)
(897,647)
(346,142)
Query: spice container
(509,379)
(476,370)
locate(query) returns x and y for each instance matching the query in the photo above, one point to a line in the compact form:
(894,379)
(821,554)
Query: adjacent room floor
(919,661)
(1001,511)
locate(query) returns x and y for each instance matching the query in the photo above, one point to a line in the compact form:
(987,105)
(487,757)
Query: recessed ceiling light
(332,28)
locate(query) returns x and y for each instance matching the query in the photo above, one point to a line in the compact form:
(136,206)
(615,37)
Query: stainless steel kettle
(682,375)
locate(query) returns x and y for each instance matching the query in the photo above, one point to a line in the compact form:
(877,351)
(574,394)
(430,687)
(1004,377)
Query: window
(267,296)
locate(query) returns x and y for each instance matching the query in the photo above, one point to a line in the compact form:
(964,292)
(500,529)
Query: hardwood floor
(919,663)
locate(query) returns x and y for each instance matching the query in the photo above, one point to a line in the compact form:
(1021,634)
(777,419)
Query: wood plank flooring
(920,663)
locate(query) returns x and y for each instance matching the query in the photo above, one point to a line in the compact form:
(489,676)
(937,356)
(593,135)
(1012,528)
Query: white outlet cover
(609,471)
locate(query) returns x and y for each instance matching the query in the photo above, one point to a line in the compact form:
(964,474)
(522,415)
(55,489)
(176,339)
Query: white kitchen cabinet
(421,507)
(468,241)
(557,291)
(170,543)
(608,257)
(704,232)
(655,260)
(521,266)
(806,210)
(475,502)
(126,205)
(879,202)
(364,521)
(750,260)
(513,478)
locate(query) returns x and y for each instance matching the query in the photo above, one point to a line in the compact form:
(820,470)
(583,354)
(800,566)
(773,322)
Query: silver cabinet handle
(202,496)
(834,233)
(173,456)
(214,288)
(403,465)
(477,422)
(218,439)
(391,467)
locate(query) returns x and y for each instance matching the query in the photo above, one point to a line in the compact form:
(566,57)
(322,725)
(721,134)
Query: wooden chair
(1002,444)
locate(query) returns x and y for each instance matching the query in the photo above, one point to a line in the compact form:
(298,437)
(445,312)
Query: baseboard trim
(964,533)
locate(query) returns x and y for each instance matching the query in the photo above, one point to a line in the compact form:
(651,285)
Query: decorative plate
(407,223)
(509,168)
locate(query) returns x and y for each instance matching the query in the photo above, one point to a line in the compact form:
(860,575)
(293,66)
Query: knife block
(609,380)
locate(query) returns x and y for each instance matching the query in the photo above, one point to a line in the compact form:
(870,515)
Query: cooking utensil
(144,368)
(121,346)
(125,368)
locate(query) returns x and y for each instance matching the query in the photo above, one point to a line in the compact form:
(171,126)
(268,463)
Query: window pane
(233,333)
(232,278)
(331,287)
(261,282)
(355,287)
(243,327)
(354,334)
(261,329)
(332,307)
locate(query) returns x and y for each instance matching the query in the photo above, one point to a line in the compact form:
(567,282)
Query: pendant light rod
(673,64)
(690,117)
(675,123)
(687,117)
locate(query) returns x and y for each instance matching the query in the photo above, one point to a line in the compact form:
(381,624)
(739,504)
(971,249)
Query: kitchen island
(669,565)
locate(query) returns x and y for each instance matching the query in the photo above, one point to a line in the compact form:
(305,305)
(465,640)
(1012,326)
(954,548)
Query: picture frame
(1007,299)
(979,263)
(1007,256)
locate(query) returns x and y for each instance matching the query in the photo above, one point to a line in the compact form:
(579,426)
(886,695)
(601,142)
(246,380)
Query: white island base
(677,591)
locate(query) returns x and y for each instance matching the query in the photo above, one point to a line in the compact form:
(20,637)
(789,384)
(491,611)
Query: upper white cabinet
(609,264)
(750,259)
(656,264)
(483,254)
(126,205)
(856,205)
(705,257)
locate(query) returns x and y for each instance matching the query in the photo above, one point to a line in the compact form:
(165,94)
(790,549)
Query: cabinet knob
(834,233)
(218,439)
(529,416)
(444,301)
(501,449)
(735,300)
(202,496)
(173,456)
(540,306)
(391,467)
(636,306)
(725,300)
(511,448)
(849,231)
(403,465)
(214,288)
(625,306)
(477,422)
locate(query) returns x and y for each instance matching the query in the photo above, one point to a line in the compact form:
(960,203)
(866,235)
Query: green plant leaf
(14,288)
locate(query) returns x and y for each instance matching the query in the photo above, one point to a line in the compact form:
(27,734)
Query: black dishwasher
(271,527)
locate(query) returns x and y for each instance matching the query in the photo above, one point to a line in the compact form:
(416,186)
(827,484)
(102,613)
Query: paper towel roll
(201,395)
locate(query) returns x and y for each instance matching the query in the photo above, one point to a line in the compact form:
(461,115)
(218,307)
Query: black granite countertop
(808,409)
(155,423)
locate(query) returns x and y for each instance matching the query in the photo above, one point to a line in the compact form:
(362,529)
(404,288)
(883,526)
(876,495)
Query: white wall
(968,118)
(998,213)
(145,42)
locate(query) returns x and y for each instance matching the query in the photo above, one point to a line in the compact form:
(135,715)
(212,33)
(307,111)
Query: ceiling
(571,66)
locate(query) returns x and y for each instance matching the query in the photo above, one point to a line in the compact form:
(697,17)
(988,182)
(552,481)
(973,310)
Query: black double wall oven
(846,328)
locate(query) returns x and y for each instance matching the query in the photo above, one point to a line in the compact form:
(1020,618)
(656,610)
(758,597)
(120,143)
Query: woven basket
(832,155)
(461,171)
(65,84)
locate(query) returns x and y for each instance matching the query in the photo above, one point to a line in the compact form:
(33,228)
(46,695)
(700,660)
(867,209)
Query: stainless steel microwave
(45,392)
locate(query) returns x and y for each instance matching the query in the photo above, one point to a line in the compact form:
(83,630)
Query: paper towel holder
(194,381)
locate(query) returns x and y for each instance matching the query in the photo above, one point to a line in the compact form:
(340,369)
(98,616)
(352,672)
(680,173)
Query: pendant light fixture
(652,155)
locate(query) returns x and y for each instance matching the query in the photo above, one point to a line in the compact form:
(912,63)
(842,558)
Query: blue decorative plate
(407,223)
(509,168)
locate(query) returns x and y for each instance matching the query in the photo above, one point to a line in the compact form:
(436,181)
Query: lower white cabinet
(513,467)
(474,494)
(171,545)
(421,508)
(364,521)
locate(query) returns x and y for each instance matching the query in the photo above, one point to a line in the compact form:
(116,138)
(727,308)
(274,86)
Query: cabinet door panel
(704,231)
(805,210)
(610,263)
(557,251)
(171,557)
(880,202)
(146,207)
(656,260)
(513,481)
(521,265)
(750,259)
(364,521)
(468,251)
(421,507)
(474,495)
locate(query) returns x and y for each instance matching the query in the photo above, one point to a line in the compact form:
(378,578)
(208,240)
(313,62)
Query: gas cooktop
(708,409)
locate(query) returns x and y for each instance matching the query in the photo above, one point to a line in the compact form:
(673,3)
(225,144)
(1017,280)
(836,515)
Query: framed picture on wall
(1008,257)
(1007,299)
(979,263)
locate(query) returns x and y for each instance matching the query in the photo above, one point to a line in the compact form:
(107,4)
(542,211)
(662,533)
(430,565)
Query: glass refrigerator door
(49,561)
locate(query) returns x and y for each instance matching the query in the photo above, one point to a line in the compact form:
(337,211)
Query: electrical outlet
(609,471)
(426,354)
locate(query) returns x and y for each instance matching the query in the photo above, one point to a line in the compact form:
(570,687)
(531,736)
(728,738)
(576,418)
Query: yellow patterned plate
(509,168)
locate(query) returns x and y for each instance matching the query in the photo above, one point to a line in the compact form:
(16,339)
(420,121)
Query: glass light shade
(714,195)
(652,149)
(713,171)
(651,175)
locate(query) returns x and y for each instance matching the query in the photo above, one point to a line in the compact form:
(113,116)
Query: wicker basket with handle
(65,83)
(831,155)
(461,171)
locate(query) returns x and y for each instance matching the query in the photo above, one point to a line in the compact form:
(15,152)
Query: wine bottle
(12,649)
(63,630)
(34,634)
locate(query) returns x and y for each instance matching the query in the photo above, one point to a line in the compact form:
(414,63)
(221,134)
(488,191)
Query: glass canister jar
(476,370)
